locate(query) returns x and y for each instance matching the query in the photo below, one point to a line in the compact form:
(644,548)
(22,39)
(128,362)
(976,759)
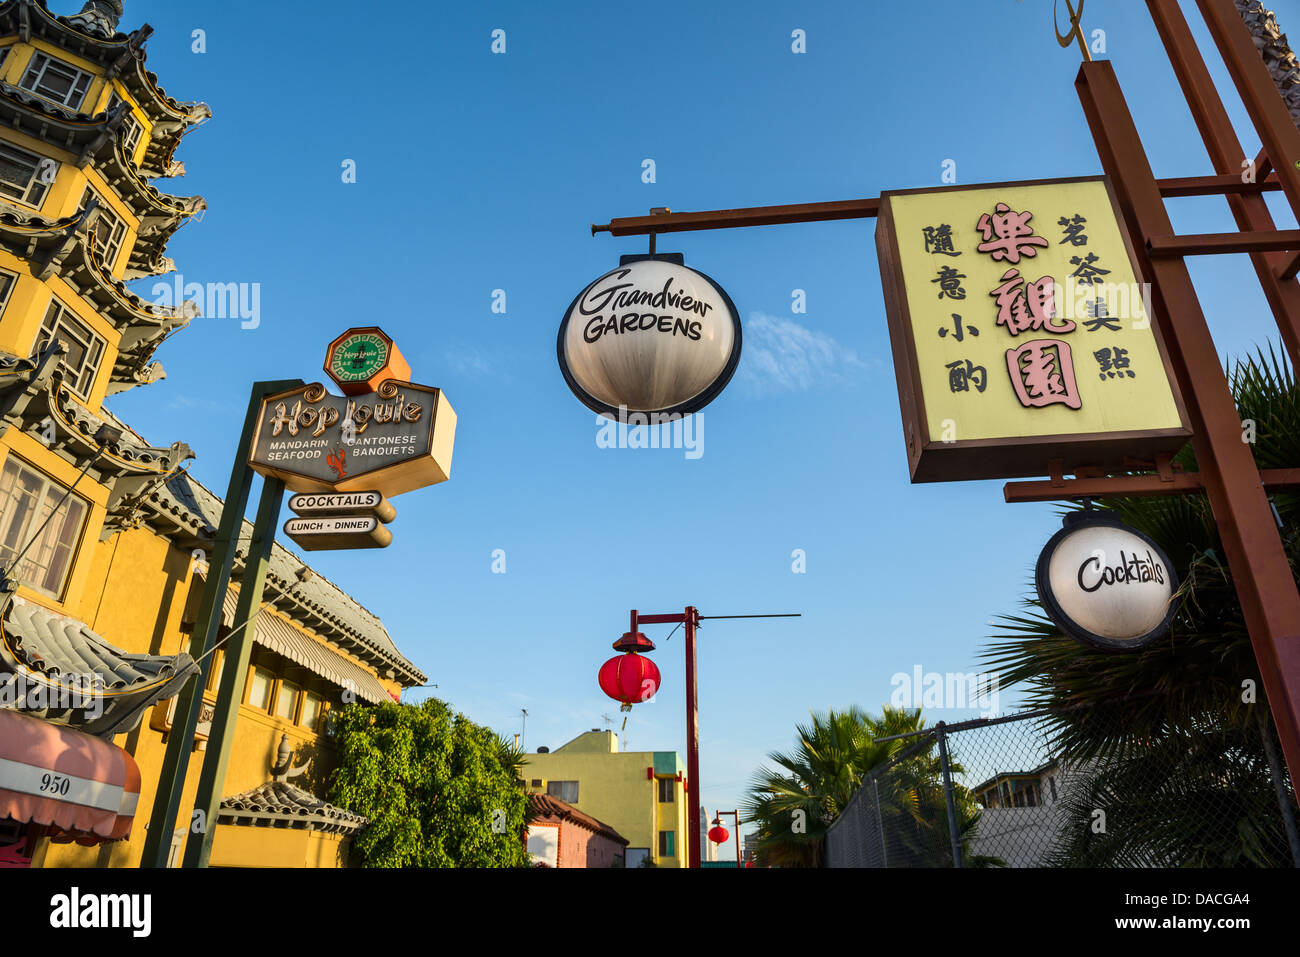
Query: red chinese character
(1042,372)
(1029,308)
(1014,236)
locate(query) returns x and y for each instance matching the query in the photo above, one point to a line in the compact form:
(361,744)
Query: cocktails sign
(652,336)
(1106,584)
(1020,332)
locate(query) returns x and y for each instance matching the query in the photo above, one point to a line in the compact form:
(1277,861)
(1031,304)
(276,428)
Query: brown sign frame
(1009,457)
(419,471)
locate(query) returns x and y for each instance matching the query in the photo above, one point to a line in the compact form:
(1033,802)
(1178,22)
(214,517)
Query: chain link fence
(1072,788)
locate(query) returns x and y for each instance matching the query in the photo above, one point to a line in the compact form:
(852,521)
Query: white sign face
(544,844)
(342,503)
(649,336)
(1107,585)
(323,532)
(331,525)
(333,502)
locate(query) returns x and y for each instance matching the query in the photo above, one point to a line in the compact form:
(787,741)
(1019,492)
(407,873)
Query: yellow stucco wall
(236,846)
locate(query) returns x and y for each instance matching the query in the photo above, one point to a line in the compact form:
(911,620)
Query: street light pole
(717,819)
(690,618)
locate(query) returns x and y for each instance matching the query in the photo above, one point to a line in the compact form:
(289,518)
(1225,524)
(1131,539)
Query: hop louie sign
(1106,584)
(394,440)
(651,336)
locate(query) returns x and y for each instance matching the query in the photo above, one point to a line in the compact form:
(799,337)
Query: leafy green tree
(439,790)
(1185,765)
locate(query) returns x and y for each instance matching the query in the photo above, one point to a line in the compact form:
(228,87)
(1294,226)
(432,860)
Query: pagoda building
(102,534)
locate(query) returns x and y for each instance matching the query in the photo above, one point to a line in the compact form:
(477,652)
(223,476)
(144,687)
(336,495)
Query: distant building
(708,850)
(640,794)
(1023,813)
(1020,788)
(560,835)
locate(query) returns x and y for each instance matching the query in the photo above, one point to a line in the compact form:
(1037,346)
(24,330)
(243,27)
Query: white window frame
(109,239)
(60,321)
(48,561)
(41,64)
(8,281)
(132,129)
(37,186)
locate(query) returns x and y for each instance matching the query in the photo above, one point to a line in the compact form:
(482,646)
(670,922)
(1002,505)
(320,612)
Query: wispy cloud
(198,403)
(468,361)
(780,355)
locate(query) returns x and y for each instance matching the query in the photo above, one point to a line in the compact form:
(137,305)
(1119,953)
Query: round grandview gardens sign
(1106,584)
(651,336)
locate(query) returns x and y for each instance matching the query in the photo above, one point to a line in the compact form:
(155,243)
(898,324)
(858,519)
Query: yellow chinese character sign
(1021,332)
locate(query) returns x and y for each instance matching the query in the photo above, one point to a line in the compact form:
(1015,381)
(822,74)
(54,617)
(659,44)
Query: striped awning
(273,632)
(81,788)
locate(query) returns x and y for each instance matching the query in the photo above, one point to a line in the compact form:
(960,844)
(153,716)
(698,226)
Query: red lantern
(629,678)
(719,834)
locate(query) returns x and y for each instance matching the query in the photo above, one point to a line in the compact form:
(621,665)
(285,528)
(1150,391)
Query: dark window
(666,790)
(7,280)
(85,349)
(25,176)
(666,848)
(109,229)
(55,80)
(566,791)
(131,128)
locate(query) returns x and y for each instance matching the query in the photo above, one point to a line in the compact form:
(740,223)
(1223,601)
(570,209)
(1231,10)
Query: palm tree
(1275,51)
(797,802)
(1186,762)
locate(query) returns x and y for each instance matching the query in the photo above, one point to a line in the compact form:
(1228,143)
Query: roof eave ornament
(98,18)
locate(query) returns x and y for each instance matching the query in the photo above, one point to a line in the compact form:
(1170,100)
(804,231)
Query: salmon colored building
(559,835)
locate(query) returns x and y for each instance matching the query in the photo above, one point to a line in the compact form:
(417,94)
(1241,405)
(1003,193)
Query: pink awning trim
(81,787)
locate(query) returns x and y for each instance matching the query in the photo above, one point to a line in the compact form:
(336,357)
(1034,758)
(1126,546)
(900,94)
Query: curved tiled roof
(317,604)
(544,807)
(91,37)
(64,649)
(280,804)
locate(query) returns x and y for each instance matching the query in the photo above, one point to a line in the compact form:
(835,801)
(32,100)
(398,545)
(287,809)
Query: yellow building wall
(157,579)
(612,787)
(249,846)
(132,589)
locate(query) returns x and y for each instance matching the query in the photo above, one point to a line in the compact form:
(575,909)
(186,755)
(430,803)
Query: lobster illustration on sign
(336,460)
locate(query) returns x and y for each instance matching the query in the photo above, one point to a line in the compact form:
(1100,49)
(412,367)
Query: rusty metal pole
(1249,209)
(692,742)
(1260,572)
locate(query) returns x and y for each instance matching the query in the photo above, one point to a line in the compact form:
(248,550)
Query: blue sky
(478,172)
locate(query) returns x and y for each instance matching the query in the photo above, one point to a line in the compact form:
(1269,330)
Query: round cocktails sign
(650,336)
(1106,584)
